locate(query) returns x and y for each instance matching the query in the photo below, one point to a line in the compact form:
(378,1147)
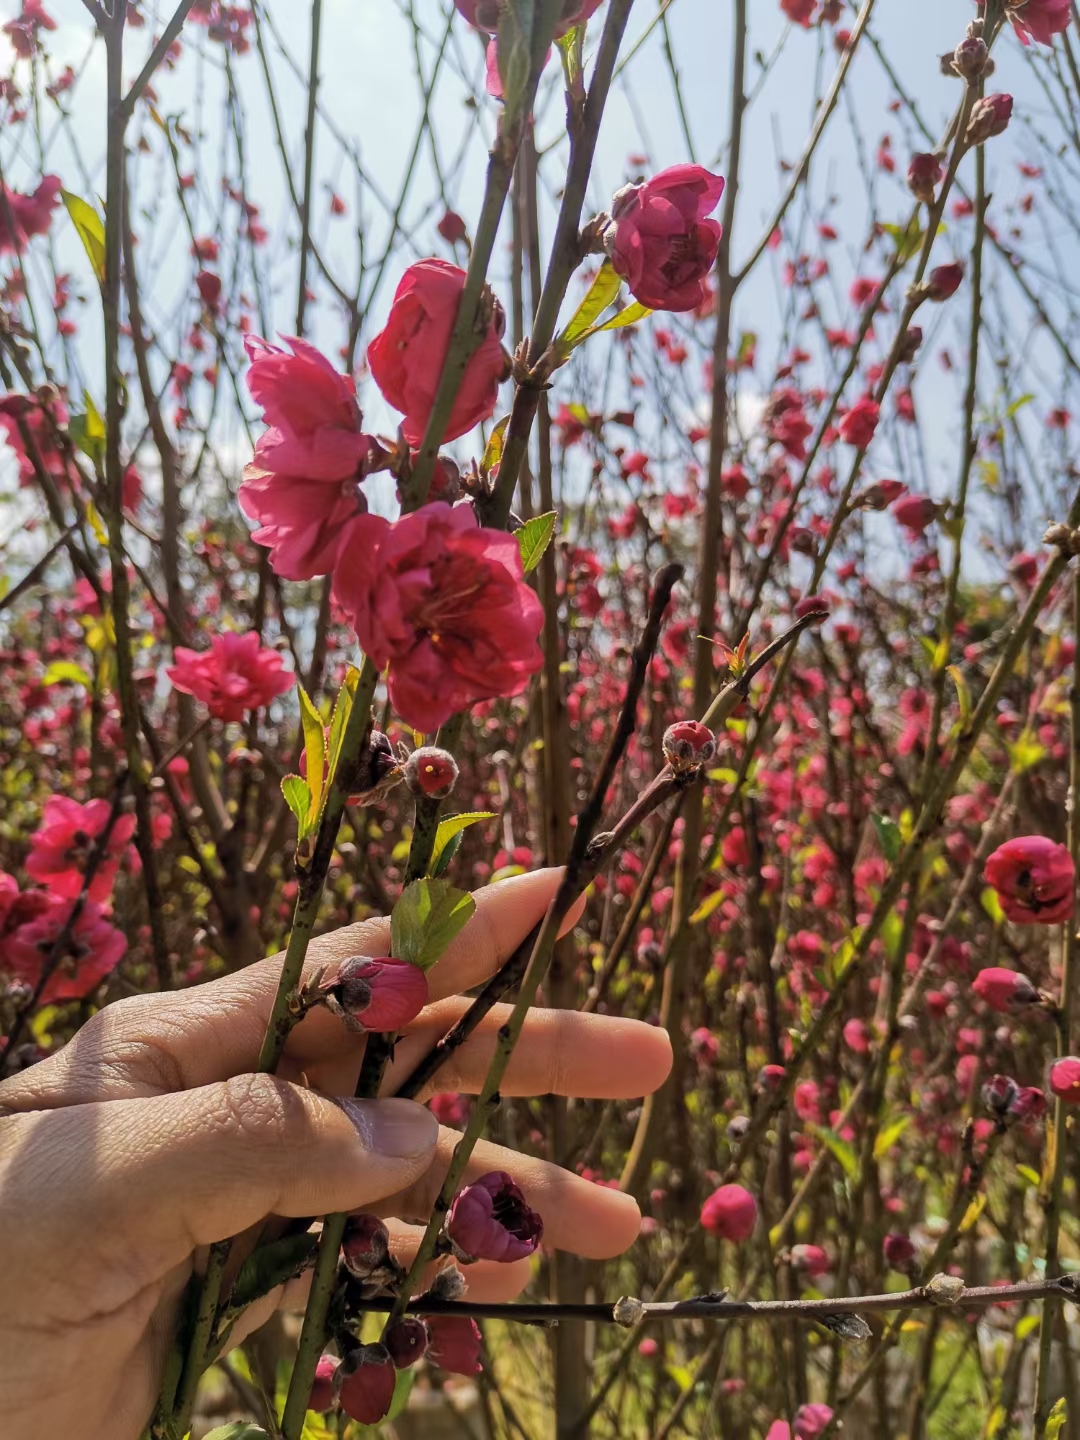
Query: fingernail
(393,1127)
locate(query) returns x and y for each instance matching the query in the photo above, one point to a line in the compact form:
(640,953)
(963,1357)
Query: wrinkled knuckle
(260,1108)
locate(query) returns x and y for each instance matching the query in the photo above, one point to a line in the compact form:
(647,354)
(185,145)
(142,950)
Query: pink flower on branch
(24,216)
(1039,20)
(92,950)
(302,484)
(1034,878)
(492,1220)
(235,675)
(406,358)
(730,1213)
(660,239)
(443,603)
(62,847)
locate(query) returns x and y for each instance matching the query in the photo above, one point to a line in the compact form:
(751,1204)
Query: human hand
(148,1138)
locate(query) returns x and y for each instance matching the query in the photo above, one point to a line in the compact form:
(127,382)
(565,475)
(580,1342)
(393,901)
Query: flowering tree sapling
(549,622)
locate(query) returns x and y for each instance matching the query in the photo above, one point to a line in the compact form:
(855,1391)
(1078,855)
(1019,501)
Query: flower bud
(923,176)
(730,1213)
(322,1387)
(491,1220)
(1065,1079)
(878,496)
(1004,990)
(454,1344)
(970,57)
(1029,1104)
(812,1260)
(999,1093)
(365,1245)
(449,1284)
(431,772)
(915,512)
(899,1253)
(406,1341)
(1034,878)
(379,994)
(989,116)
(688,745)
(911,344)
(364,1384)
(943,282)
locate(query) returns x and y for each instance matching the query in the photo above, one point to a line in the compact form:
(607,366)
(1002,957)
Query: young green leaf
(534,537)
(494,448)
(66,672)
(298,798)
(425,919)
(272,1265)
(238,1430)
(888,833)
(1056,1420)
(449,827)
(839,1149)
(339,719)
(628,315)
(91,231)
(600,295)
(314,753)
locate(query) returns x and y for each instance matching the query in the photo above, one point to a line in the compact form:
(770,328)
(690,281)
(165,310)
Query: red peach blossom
(302,483)
(406,358)
(62,847)
(443,602)
(1065,1079)
(660,239)
(454,1344)
(1039,20)
(1034,878)
(92,950)
(491,1220)
(858,425)
(30,214)
(1004,990)
(730,1213)
(234,676)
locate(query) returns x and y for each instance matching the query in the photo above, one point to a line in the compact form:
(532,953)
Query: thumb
(152,1179)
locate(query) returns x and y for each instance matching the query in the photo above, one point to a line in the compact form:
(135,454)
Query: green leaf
(989,901)
(534,537)
(339,719)
(402,1387)
(271,1265)
(1025,752)
(238,1430)
(601,294)
(88,432)
(1029,1174)
(908,237)
(297,794)
(1056,1420)
(628,315)
(66,672)
(1027,1326)
(888,833)
(963,695)
(888,1137)
(426,918)
(91,231)
(314,753)
(839,1149)
(494,448)
(450,826)
(1018,405)
(709,904)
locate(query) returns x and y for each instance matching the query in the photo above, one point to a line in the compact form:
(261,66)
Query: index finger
(153,1044)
